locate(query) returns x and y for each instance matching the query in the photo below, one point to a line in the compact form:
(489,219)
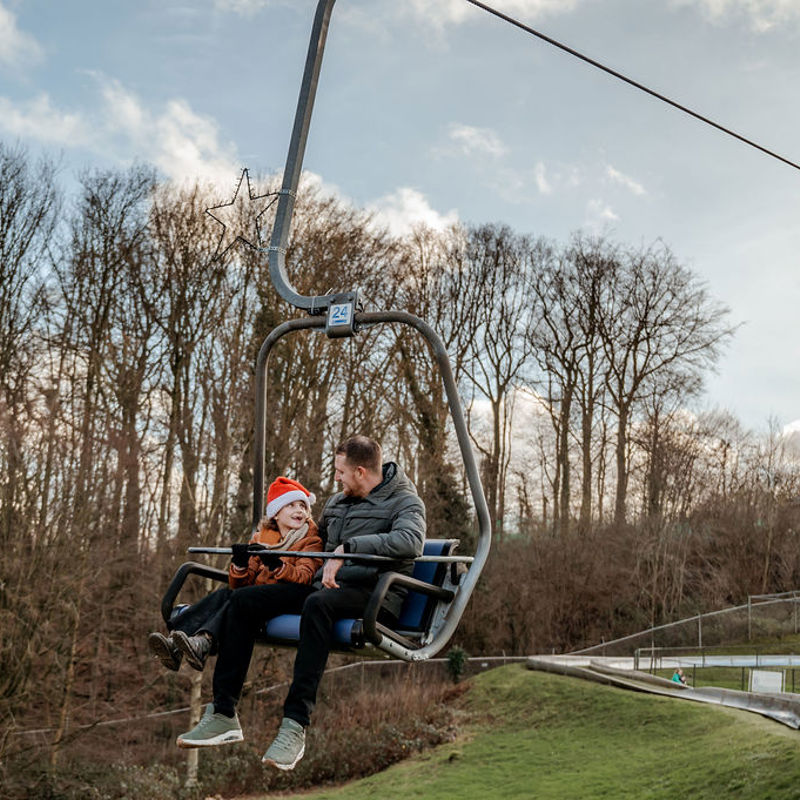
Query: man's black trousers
(246,611)
(320,612)
(245,614)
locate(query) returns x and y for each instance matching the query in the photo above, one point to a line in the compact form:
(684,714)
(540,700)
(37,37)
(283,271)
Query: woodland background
(127,350)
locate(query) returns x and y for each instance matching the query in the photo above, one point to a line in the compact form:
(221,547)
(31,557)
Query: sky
(434,111)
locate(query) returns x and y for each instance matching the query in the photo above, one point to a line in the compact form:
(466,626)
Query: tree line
(127,347)
(127,351)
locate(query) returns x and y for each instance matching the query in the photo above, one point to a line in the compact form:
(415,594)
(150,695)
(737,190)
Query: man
(378,511)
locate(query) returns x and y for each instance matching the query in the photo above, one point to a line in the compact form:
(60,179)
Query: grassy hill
(533,735)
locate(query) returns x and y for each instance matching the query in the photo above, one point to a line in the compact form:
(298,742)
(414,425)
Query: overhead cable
(630,81)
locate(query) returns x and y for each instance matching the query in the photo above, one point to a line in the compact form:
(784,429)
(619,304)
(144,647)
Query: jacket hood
(394,479)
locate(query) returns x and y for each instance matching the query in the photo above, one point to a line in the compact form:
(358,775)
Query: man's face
(350,477)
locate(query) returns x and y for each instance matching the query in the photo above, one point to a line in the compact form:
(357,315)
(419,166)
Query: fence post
(192,757)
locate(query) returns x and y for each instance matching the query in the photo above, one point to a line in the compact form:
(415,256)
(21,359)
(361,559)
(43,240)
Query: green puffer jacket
(389,521)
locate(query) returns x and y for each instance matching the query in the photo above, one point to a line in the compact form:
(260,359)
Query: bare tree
(28,205)
(667,445)
(435,283)
(595,269)
(184,300)
(558,346)
(499,352)
(661,317)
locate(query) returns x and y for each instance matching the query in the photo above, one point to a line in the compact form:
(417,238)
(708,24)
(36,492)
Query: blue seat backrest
(416,606)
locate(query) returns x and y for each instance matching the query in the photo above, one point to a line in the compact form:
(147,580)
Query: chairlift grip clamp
(341,319)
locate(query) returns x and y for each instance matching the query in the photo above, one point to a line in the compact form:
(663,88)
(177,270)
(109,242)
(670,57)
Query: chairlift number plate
(341,315)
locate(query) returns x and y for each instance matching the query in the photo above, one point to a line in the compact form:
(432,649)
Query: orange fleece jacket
(292,570)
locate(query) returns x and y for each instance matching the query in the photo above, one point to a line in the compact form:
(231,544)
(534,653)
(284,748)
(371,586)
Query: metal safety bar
(366,557)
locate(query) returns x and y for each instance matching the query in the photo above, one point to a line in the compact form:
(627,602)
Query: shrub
(456,663)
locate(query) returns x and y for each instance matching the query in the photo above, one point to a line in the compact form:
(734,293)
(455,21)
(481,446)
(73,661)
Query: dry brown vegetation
(558,594)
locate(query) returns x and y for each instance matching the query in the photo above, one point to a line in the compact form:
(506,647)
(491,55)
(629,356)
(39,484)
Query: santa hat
(283,491)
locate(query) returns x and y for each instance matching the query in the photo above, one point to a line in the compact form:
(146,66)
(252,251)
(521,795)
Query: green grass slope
(533,735)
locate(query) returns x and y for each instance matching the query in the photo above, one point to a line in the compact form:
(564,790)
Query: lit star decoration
(240,217)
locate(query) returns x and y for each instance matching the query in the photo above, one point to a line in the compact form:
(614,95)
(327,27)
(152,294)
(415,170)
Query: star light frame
(237,220)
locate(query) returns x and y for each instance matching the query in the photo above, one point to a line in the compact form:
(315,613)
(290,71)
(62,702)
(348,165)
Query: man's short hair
(361,451)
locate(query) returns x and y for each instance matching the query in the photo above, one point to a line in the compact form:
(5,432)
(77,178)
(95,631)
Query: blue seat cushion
(177,611)
(286,628)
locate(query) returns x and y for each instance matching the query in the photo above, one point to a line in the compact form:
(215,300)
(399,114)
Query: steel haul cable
(630,81)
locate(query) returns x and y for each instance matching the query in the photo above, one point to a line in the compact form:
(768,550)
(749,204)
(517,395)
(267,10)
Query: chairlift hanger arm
(294,167)
(368,320)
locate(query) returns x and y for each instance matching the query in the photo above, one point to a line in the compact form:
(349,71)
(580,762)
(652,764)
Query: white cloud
(762,15)
(791,438)
(16,48)
(540,175)
(247,8)
(37,119)
(314,184)
(400,211)
(600,213)
(406,208)
(445,12)
(792,428)
(629,183)
(527,185)
(476,141)
(180,142)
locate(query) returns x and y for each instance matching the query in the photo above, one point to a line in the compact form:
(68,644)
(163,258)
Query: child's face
(292,516)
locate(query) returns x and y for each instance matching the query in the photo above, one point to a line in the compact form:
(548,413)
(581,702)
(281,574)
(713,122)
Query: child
(287,525)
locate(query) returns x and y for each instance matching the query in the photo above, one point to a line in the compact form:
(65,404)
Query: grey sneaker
(165,650)
(212,730)
(195,648)
(288,746)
